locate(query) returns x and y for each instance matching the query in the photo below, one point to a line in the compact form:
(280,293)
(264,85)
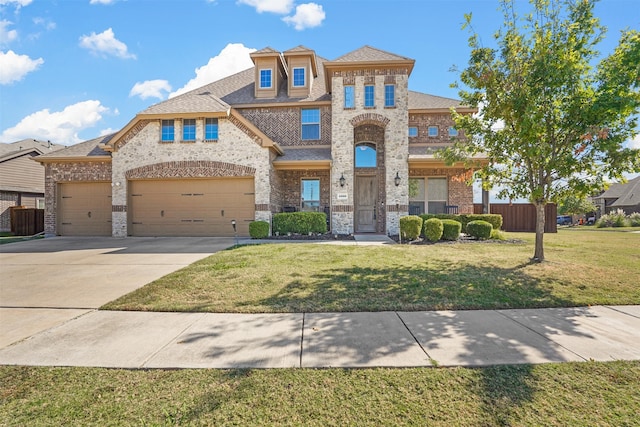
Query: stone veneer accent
(62,172)
(394,123)
(235,153)
(460,193)
(132,133)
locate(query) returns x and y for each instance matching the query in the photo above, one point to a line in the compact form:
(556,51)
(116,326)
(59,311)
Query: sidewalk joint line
(414,337)
(620,311)
(169,341)
(500,312)
(48,308)
(302,338)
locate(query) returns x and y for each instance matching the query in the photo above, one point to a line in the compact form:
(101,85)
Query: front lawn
(583,268)
(575,394)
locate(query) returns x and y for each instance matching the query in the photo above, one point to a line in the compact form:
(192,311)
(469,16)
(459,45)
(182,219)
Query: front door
(365,204)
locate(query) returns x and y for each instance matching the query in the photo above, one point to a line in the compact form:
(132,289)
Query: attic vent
(205,93)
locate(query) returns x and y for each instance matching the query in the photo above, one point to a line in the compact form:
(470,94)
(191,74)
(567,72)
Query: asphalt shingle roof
(630,194)
(423,101)
(370,54)
(88,148)
(302,154)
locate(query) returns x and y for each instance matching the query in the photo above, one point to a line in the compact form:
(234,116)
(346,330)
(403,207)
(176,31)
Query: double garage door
(191,207)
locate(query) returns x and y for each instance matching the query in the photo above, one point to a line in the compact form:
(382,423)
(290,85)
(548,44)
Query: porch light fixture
(342,180)
(396,180)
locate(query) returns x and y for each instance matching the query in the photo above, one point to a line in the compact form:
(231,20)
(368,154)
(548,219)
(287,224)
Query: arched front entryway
(369,179)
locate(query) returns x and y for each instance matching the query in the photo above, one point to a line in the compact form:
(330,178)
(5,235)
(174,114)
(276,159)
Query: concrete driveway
(47,282)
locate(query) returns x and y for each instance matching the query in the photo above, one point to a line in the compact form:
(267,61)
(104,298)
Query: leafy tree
(575,205)
(549,123)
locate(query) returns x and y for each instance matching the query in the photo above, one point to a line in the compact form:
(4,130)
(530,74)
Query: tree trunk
(538,255)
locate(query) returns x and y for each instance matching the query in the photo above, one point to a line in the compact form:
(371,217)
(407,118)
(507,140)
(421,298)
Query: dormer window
(266,80)
(299,77)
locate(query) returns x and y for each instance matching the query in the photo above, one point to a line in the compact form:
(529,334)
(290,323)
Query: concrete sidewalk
(314,340)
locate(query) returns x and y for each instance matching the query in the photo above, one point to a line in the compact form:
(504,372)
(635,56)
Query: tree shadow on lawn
(449,287)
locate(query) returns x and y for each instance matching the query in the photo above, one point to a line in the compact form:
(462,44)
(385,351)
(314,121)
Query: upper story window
(211,129)
(168,131)
(369,96)
(389,95)
(433,131)
(413,131)
(189,130)
(298,77)
(265,79)
(349,96)
(310,119)
(453,131)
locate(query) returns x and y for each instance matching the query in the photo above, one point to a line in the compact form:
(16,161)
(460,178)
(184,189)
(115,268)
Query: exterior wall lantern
(342,180)
(396,180)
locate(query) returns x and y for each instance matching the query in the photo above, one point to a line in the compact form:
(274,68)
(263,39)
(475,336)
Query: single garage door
(191,207)
(84,209)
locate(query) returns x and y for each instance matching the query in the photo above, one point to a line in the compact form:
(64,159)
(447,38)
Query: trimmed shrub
(433,229)
(258,229)
(451,229)
(410,227)
(300,222)
(498,235)
(494,219)
(479,229)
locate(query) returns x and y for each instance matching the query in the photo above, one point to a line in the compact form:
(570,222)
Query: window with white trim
(369,96)
(211,129)
(266,78)
(189,129)
(168,131)
(298,77)
(310,121)
(349,96)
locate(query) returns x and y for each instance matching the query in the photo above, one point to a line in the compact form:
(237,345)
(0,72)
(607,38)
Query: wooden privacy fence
(522,216)
(26,221)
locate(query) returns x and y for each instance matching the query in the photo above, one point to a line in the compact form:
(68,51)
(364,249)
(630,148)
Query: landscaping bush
(479,229)
(451,229)
(300,223)
(432,229)
(410,227)
(616,218)
(634,219)
(498,235)
(494,219)
(258,229)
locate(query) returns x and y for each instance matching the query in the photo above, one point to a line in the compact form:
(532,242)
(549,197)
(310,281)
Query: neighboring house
(620,196)
(295,132)
(21,179)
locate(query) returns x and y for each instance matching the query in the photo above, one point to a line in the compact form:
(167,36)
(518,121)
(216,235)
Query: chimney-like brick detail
(189,169)
(370,118)
(132,133)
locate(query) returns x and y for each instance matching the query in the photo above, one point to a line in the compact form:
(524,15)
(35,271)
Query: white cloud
(105,43)
(7,36)
(107,131)
(307,15)
(61,127)
(102,1)
(14,67)
(232,59)
(150,89)
(46,23)
(17,3)
(273,6)
(635,142)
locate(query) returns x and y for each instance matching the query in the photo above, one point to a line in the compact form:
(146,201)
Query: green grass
(6,238)
(583,268)
(575,394)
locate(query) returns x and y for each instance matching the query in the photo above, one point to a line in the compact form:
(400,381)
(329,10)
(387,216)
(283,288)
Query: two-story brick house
(295,132)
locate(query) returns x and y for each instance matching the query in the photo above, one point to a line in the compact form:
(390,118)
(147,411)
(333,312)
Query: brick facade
(65,172)
(291,184)
(460,194)
(423,121)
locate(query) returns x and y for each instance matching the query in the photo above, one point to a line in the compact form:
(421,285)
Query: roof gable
(370,54)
